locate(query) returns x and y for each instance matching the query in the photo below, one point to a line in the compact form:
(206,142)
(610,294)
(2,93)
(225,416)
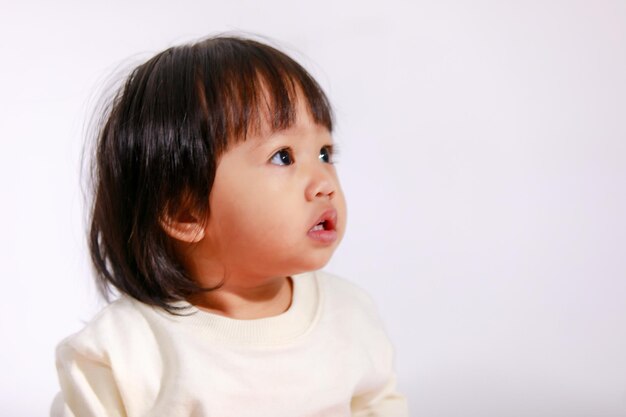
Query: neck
(271,298)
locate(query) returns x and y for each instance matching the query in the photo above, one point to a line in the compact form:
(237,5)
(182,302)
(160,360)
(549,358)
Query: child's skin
(269,192)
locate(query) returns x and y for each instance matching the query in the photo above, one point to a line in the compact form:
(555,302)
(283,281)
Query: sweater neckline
(289,325)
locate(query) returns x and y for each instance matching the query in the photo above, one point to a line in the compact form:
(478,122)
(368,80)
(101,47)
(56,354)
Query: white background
(483,154)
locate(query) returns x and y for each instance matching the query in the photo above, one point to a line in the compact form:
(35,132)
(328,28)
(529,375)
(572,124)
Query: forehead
(304,129)
(303,126)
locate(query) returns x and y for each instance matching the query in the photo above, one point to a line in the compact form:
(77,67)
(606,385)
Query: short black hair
(157,149)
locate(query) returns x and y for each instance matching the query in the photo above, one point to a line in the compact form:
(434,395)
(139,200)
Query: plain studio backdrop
(482,152)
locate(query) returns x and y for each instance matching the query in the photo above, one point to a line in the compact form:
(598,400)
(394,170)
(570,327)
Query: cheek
(342,209)
(246,214)
(340,204)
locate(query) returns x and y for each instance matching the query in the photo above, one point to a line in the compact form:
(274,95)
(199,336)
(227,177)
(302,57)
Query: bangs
(244,87)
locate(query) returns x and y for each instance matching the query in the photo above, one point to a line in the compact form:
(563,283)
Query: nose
(322,184)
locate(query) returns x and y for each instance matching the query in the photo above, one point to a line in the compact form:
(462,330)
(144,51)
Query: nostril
(320,189)
(329,194)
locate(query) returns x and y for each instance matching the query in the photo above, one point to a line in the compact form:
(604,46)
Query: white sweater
(327,355)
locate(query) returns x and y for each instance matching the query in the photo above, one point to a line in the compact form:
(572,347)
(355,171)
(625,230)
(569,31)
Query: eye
(326,154)
(282,157)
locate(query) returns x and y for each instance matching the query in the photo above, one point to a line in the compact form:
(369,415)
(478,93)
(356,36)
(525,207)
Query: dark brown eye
(326,155)
(282,157)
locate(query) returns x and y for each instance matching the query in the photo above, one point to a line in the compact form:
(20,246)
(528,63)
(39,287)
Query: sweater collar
(293,323)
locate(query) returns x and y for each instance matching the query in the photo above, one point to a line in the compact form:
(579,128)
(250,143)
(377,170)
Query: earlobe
(189,231)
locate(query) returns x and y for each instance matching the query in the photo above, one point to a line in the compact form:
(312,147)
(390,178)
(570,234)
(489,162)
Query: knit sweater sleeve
(88,388)
(99,367)
(384,403)
(376,394)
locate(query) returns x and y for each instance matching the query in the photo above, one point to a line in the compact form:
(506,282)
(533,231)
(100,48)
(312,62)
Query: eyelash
(284,157)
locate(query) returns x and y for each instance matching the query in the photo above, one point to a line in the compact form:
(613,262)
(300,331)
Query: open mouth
(326,222)
(324,225)
(324,230)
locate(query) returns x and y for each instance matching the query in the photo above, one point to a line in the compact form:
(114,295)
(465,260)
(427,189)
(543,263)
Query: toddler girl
(215,204)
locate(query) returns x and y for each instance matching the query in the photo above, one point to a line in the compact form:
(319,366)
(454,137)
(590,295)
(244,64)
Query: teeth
(317,227)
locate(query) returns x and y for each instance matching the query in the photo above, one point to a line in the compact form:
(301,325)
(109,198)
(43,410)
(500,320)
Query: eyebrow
(332,148)
(274,136)
(260,142)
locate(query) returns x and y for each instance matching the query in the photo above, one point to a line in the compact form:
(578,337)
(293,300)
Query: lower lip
(323,236)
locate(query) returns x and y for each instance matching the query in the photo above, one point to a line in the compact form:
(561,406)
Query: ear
(189,229)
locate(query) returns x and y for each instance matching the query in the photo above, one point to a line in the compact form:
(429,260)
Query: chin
(316,263)
(298,262)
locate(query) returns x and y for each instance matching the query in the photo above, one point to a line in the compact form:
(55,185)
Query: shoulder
(116,326)
(352,307)
(342,291)
(116,354)
(350,315)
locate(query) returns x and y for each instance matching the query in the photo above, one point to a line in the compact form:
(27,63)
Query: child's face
(270,193)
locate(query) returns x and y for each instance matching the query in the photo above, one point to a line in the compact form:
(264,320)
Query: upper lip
(328,218)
